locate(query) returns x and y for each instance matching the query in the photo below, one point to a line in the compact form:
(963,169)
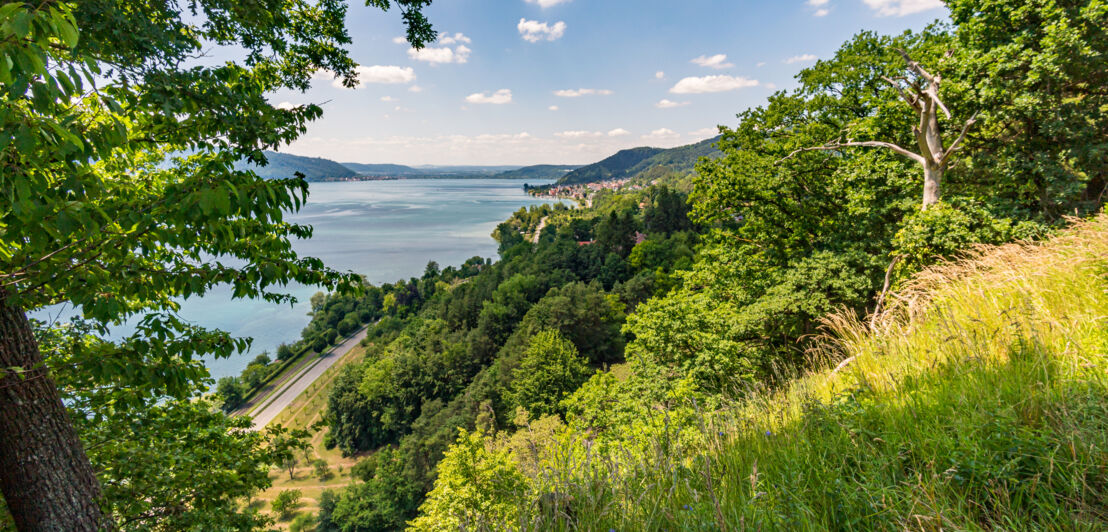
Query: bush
(284,352)
(286,503)
(303,523)
(322,469)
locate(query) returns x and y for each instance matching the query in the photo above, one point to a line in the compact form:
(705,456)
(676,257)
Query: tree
(94,96)
(384,501)
(317,301)
(920,90)
(1036,72)
(286,503)
(230,389)
(476,489)
(285,446)
(284,352)
(324,520)
(550,370)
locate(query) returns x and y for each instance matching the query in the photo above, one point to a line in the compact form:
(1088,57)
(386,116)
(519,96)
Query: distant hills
(283,165)
(539,171)
(635,161)
(624,164)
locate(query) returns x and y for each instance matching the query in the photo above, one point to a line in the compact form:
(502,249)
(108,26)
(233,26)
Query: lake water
(385,230)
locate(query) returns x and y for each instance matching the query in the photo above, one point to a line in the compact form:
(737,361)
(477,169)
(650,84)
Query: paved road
(538,231)
(294,386)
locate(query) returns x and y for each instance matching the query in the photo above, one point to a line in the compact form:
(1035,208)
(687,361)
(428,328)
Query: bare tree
(920,90)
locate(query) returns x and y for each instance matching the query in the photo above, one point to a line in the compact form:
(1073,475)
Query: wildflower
(687,507)
(769,433)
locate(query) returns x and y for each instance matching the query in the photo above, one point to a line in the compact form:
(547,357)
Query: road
(295,385)
(538,231)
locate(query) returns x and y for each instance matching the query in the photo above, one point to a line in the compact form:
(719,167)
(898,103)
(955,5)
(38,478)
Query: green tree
(324,520)
(384,501)
(93,97)
(284,352)
(1035,72)
(550,370)
(286,446)
(476,489)
(231,390)
(286,503)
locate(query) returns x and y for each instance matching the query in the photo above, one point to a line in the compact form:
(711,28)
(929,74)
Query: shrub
(286,503)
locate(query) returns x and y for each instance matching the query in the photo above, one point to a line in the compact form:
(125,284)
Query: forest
(880,306)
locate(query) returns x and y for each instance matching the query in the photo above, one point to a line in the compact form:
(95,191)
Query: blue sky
(572,81)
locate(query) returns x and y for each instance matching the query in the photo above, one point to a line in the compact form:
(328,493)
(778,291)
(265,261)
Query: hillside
(679,159)
(614,167)
(284,165)
(538,171)
(382,169)
(978,401)
(635,161)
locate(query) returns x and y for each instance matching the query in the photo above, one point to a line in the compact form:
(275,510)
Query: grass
(978,401)
(302,412)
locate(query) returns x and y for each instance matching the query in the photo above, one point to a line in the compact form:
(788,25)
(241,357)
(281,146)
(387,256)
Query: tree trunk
(932,180)
(45,476)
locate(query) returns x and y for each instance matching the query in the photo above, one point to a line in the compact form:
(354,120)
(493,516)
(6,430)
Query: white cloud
(501,96)
(286,106)
(456,38)
(441,55)
(535,31)
(618,132)
(803,58)
(574,93)
(900,8)
(771,86)
(821,13)
(415,88)
(659,75)
(579,134)
(388,99)
(491,148)
(667,104)
(547,3)
(818,3)
(400,40)
(553,107)
(662,134)
(388,74)
(717,61)
(706,132)
(760,64)
(700,85)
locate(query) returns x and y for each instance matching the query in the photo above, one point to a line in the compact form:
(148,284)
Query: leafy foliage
(550,370)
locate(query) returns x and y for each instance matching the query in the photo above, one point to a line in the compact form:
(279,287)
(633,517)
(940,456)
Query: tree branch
(958,141)
(915,67)
(914,102)
(863,144)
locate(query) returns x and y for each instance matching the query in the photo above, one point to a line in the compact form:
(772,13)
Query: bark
(932,183)
(45,476)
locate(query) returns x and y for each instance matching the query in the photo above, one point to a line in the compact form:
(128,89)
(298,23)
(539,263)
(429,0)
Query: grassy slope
(981,402)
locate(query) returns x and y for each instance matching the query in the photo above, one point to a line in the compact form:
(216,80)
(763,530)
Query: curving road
(295,385)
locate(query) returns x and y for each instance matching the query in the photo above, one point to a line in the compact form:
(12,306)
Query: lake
(385,230)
